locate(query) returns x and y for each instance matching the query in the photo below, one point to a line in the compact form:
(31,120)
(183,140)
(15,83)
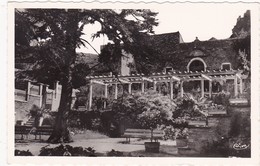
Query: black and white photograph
(142,81)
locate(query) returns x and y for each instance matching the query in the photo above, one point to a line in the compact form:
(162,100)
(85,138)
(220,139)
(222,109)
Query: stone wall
(201,137)
(213,53)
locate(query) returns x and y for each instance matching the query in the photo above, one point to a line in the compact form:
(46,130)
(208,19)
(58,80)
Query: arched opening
(196,64)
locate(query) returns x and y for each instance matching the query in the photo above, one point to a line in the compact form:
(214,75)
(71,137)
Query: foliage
(240,125)
(169,133)
(115,153)
(49,38)
(35,111)
(38,113)
(219,147)
(236,130)
(244,62)
(181,133)
(222,98)
(187,107)
(22,153)
(149,109)
(66,150)
(180,123)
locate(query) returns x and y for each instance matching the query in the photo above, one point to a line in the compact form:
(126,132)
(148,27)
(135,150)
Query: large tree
(48,38)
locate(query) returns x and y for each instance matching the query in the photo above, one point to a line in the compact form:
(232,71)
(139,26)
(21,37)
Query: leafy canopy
(47,38)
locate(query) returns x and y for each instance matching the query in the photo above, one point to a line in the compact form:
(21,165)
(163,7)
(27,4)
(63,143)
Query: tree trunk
(61,133)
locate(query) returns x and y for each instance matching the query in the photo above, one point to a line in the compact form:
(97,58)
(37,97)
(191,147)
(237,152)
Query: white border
(254,160)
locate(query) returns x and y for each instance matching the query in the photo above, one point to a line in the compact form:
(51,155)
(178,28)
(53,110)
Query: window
(226,66)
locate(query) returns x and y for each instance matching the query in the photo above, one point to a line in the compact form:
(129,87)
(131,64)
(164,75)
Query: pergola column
(116,91)
(40,94)
(90,95)
(142,86)
(235,86)
(130,88)
(202,88)
(181,88)
(241,86)
(210,89)
(106,95)
(154,85)
(171,89)
(28,90)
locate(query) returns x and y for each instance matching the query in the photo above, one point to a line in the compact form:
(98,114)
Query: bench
(23,130)
(142,133)
(26,130)
(43,130)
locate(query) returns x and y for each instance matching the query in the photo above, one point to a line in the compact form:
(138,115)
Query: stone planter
(152,147)
(181,142)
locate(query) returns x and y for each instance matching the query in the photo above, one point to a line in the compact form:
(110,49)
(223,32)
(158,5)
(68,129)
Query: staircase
(30,121)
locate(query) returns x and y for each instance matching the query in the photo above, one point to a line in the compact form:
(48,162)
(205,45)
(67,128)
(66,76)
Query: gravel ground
(102,144)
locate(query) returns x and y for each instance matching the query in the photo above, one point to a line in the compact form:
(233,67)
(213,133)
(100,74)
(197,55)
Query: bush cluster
(22,153)
(237,132)
(66,150)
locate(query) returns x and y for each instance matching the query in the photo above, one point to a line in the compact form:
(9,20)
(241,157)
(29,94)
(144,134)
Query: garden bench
(142,133)
(23,130)
(26,130)
(43,130)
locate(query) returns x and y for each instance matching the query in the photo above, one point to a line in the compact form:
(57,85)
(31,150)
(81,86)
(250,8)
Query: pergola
(169,77)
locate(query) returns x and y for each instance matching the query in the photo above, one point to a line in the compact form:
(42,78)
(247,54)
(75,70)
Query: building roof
(88,58)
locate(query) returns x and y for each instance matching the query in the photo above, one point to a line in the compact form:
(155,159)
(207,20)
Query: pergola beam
(147,79)
(176,78)
(98,82)
(206,77)
(123,81)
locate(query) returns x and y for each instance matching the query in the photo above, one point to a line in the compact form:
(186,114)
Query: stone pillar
(90,95)
(142,87)
(56,88)
(28,90)
(235,86)
(171,89)
(210,89)
(202,88)
(40,94)
(106,95)
(130,88)
(116,91)
(181,88)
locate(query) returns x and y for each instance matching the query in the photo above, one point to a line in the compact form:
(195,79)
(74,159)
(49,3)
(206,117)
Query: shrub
(169,133)
(144,110)
(66,150)
(22,153)
(181,133)
(217,148)
(237,132)
(222,98)
(115,153)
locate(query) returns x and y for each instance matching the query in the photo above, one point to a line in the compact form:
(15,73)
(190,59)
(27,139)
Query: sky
(202,21)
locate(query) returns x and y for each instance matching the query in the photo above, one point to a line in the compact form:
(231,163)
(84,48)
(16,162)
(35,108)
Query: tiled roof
(88,58)
(164,43)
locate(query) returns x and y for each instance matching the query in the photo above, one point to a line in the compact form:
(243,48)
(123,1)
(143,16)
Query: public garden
(141,96)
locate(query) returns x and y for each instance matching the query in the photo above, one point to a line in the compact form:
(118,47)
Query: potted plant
(156,111)
(147,110)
